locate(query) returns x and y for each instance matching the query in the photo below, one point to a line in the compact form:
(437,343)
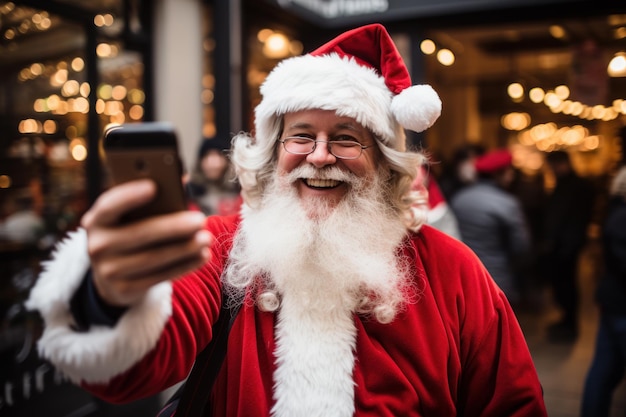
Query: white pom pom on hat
(359,74)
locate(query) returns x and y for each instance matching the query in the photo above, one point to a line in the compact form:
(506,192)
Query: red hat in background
(493,161)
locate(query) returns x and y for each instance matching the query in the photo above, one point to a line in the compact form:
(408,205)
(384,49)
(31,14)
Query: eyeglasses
(342,149)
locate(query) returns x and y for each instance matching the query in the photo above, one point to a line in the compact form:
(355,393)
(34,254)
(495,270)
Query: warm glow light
(597,111)
(5,181)
(118,92)
(77,64)
(617,66)
(70,88)
(591,142)
(103,50)
(536,95)
(49,127)
(105,91)
(78,150)
(59,78)
(207,96)
(40,106)
(100,104)
(85,89)
(98,20)
(557,31)
(36,69)
(515,90)
(445,57)
(577,108)
(552,100)
(515,121)
(208,81)
(29,126)
(53,102)
(108,19)
(135,112)
(45,23)
(136,96)
(562,92)
(263,34)
(428,46)
(276,46)
(119,118)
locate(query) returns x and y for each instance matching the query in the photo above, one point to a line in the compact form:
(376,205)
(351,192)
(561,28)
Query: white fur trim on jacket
(98,355)
(314,361)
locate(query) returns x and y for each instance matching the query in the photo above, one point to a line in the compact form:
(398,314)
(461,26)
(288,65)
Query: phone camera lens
(140,165)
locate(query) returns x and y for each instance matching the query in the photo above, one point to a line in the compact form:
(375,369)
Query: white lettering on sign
(336,8)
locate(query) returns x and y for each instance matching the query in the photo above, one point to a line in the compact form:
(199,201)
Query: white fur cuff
(103,352)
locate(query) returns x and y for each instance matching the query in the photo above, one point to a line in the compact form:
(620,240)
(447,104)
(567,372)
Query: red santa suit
(457,350)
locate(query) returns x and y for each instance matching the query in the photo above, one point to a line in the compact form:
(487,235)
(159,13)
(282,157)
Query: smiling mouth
(317,183)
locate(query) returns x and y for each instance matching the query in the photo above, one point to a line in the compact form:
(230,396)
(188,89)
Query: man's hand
(129,258)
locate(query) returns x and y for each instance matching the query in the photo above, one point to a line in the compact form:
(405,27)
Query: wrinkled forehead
(323,121)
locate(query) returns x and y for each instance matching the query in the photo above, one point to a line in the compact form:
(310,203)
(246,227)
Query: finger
(145,234)
(136,265)
(115,202)
(128,280)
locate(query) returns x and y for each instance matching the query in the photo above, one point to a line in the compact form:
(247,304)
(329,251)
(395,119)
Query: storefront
(67,70)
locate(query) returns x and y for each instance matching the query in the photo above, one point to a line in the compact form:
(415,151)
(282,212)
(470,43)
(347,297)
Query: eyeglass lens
(341,149)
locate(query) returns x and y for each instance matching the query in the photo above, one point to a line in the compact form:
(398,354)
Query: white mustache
(327,173)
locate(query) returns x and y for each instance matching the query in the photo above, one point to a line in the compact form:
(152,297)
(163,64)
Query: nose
(321,156)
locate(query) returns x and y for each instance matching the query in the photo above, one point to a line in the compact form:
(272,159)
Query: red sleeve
(497,374)
(196,301)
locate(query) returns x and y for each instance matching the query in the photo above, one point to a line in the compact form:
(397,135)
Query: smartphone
(147,150)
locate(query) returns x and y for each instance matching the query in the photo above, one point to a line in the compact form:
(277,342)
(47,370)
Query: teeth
(321,183)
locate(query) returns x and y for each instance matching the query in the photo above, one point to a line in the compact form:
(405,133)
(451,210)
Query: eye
(299,139)
(345,138)
(302,135)
(346,143)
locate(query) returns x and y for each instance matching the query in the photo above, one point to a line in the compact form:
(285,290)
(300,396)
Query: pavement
(562,367)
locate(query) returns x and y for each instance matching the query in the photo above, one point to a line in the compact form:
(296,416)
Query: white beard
(325,264)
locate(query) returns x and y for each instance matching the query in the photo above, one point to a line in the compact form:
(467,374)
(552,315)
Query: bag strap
(193,395)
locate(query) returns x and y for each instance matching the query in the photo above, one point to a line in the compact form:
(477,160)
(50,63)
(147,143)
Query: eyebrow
(347,126)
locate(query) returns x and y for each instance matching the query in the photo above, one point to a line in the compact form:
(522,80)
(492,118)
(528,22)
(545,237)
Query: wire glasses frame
(342,149)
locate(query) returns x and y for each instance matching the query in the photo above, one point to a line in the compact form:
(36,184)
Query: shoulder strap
(192,397)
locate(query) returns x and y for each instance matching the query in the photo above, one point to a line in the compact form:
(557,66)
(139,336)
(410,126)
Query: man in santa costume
(350,305)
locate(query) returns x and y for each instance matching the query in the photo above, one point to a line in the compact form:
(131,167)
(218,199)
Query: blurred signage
(342,12)
(589,81)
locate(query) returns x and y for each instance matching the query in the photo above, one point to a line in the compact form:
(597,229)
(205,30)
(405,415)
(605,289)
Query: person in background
(566,218)
(212,185)
(460,171)
(439,214)
(349,304)
(21,224)
(492,222)
(609,359)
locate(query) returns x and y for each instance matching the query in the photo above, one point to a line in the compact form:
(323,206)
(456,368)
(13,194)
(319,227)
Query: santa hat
(359,74)
(493,161)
